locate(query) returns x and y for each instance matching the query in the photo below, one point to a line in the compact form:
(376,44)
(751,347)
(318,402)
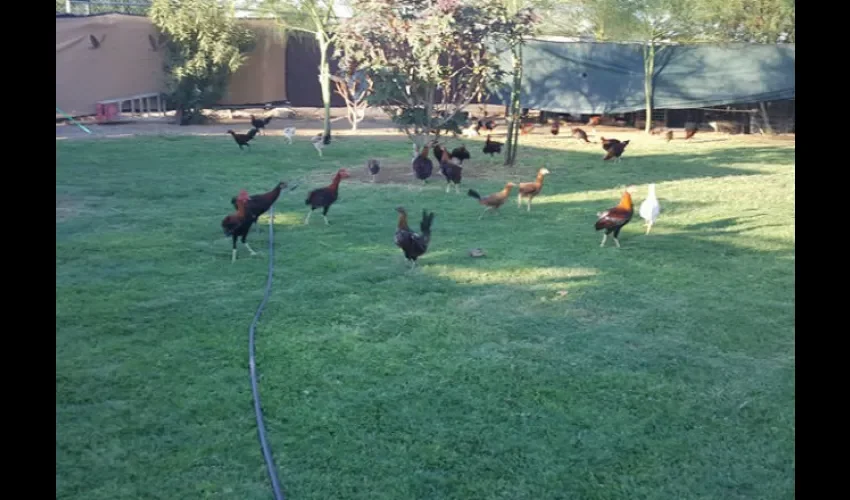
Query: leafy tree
(758,21)
(318,19)
(204,46)
(428,59)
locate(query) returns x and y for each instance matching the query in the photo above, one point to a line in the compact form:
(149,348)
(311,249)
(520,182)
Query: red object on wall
(107,112)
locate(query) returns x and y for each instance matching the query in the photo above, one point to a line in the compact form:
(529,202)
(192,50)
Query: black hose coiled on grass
(258,410)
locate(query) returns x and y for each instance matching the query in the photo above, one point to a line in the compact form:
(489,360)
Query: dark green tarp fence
(595,78)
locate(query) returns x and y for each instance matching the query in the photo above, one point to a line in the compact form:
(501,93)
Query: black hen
(243,139)
(461,154)
(373,166)
(451,171)
(414,245)
(422,165)
(260,123)
(492,147)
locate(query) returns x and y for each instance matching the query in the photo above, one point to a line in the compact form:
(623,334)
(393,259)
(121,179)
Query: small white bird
(650,208)
(289,133)
(318,143)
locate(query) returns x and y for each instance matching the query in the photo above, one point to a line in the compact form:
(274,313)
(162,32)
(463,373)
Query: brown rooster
(451,171)
(556,126)
(239,224)
(526,128)
(243,139)
(669,135)
(594,122)
(326,196)
(690,132)
(613,219)
(492,147)
(494,201)
(580,134)
(414,245)
(422,165)
(531,189)
(615,150)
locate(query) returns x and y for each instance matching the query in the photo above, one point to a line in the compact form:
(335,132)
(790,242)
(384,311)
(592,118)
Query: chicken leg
(648,227)
(604,239)
(529,205)
(484,212)
(307,219)
(519,200)
(233,258)
(253,253)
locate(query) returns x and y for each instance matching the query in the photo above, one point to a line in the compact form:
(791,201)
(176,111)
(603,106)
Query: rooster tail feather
(474,194)
(427,219)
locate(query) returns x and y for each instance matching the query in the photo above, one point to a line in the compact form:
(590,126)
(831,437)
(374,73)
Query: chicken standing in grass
(650,208)
(260,123)
(669,135)
(451,171)
(492,147)
(494,201)
(320,141)
(243,139)
(615,150)
(580,134)
(531,189)
(239,224)
(414,245)
(259,204)
(461,153)
(373,166)
(422,165)
(326,196)
(289,133)
(613,219)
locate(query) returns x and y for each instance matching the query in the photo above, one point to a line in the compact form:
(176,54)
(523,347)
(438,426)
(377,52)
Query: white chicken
(650,208)
(289,133)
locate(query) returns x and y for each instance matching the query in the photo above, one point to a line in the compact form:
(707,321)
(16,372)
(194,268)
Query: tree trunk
(765,118)
(325,82)
(514,107)
(648,73)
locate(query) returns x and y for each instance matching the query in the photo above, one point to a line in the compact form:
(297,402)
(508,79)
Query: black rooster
(461,154)
(260,123)
(414,245)
(243,139)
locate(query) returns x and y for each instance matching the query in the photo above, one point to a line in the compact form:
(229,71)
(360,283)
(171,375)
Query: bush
(204,46)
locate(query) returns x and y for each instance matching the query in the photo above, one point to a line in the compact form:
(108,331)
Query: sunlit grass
(551,368)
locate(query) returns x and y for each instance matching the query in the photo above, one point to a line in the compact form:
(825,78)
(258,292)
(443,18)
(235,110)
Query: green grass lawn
(666,371)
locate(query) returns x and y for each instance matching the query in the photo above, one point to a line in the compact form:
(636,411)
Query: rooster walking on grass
(613,219)
(414,245)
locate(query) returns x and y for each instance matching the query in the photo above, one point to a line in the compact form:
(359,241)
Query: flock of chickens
(413,244)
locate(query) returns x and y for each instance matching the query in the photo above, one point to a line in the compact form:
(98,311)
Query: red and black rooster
(259,204)
(326,196)
(238,224)
(613,219)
